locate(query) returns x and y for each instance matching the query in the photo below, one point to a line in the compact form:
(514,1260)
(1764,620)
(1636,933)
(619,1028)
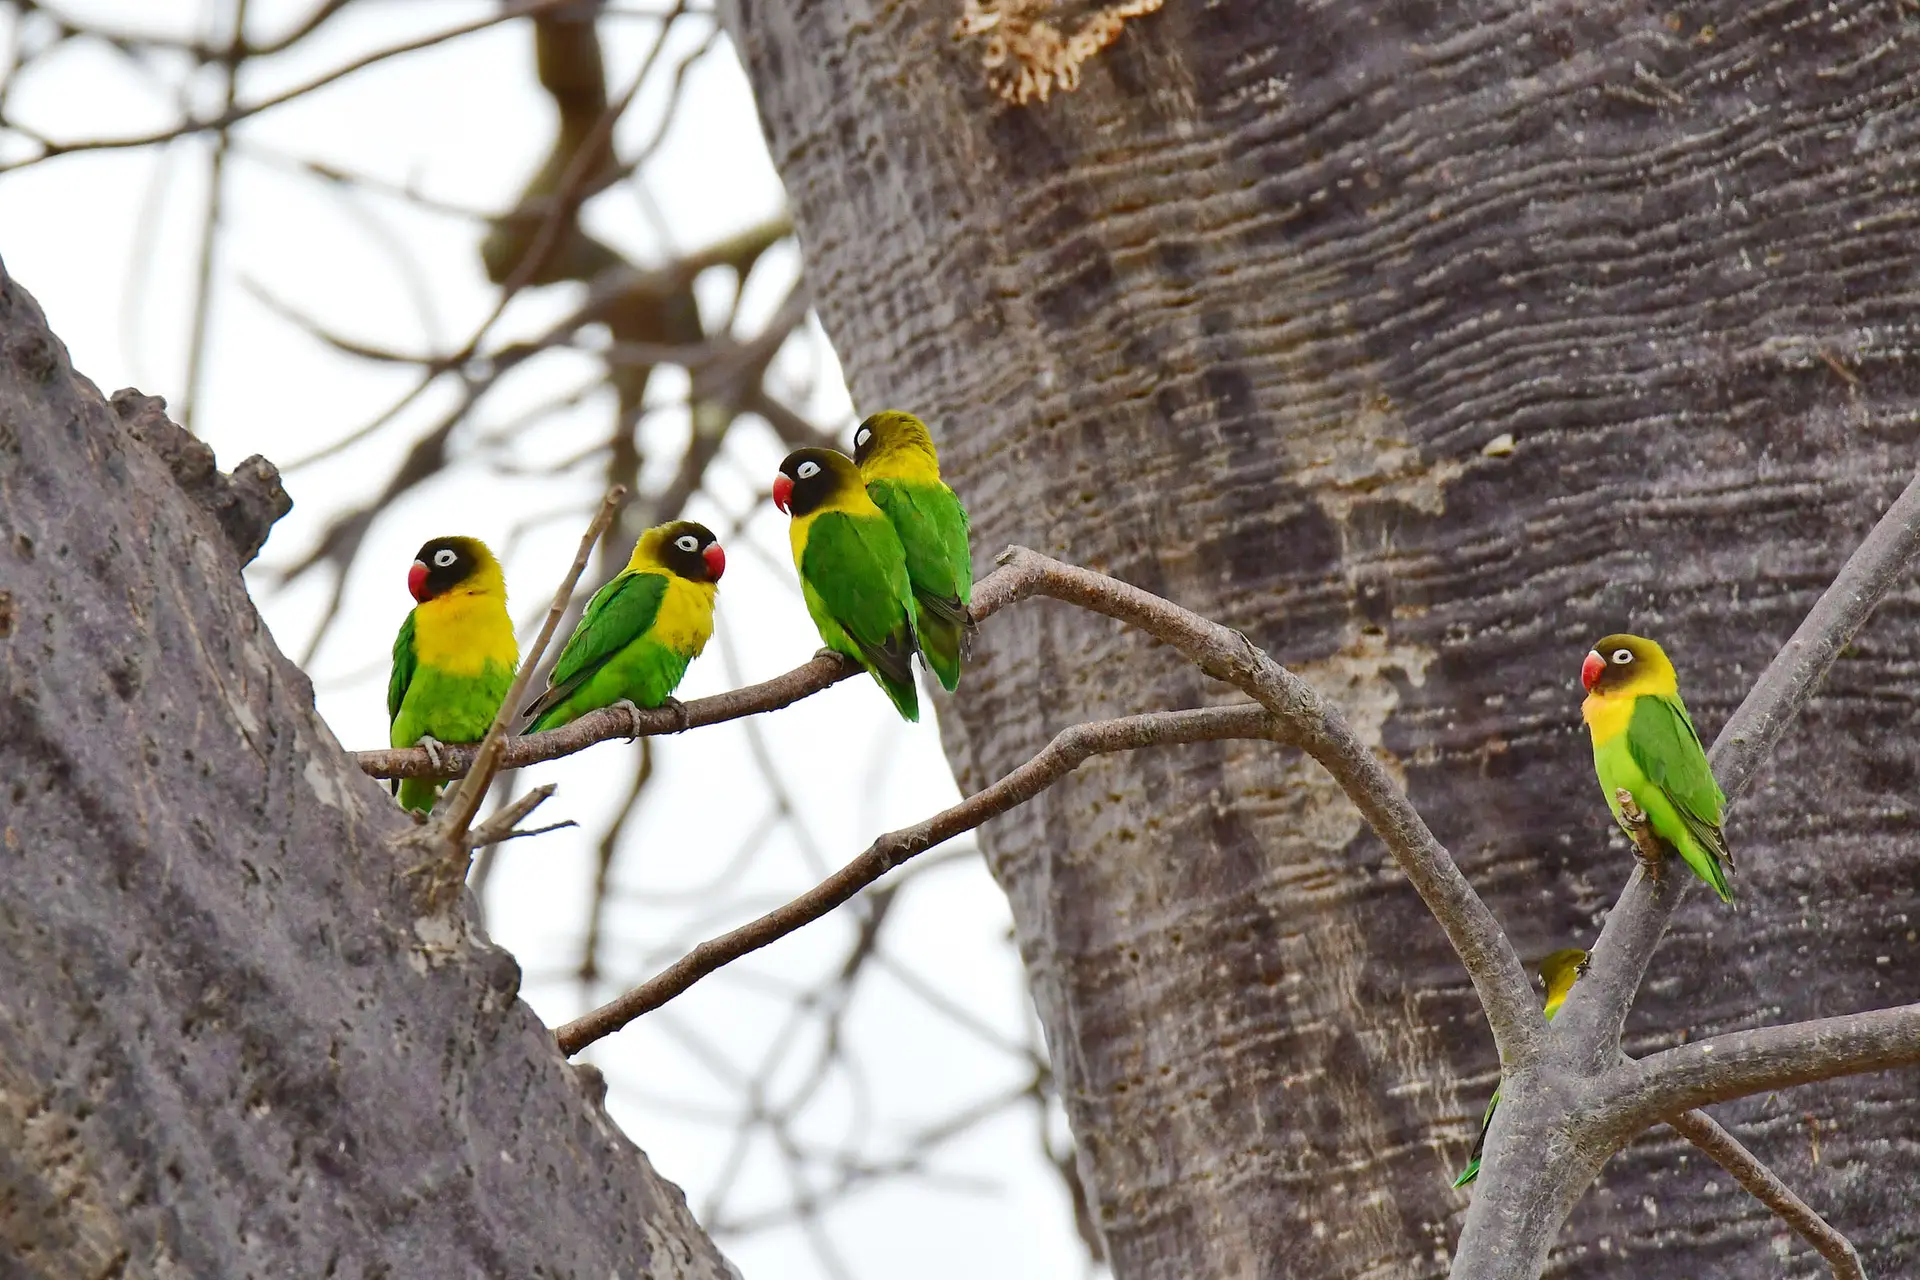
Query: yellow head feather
(891,445)
(1559,972)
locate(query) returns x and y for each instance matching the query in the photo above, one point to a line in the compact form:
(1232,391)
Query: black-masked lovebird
(902,474)
(454,658)
(639,632)
(853,572)
(1644,741)
(1558,972)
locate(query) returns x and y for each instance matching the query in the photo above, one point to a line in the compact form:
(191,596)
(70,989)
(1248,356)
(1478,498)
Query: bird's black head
(809,479)
(690,550)
(444,564)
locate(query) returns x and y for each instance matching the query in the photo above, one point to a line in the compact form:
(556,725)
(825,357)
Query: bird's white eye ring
(444,557)
(1623,656)
(687,542)
(861,437)
(806,470)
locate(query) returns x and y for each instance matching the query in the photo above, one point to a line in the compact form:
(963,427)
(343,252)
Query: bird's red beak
(1590,670)
(782,492)
(417,582)
(716,561)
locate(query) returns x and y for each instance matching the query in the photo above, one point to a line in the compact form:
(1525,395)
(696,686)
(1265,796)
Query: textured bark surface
(1236,320)
(229,1044)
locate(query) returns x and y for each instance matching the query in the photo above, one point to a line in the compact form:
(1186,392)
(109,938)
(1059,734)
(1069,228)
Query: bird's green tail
(941,640)
(419,794)
(1468,1174)
(906,698)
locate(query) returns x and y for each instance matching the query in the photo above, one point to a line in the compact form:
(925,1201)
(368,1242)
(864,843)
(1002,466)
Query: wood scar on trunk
(1027,52)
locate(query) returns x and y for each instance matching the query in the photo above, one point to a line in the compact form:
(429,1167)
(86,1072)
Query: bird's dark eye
(1622,656)
(444,557)
(861,437)
(687,542)
(806,470)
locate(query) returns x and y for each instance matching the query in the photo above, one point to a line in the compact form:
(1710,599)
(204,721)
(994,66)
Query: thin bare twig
(1704,1132)
(499,826)
(1069,749)
(451,825)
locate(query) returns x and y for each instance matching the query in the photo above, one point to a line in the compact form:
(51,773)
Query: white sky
(107,243)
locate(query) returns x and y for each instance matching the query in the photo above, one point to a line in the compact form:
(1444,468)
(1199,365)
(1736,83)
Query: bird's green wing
(1472,1170)
(932,526)
(404,663)
(619,613)
(857,568)
(1664,744)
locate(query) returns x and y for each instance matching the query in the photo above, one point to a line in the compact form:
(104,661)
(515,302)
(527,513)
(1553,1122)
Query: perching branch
(1597,1008)
(1067,751)
(1704,1132)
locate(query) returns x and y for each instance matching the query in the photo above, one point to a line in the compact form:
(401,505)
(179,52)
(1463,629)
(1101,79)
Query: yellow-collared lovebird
(853,571)
(1644,741)
(639,632)
(1558,972)
(454,658)
(902,473)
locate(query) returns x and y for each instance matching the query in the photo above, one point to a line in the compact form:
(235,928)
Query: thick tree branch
(1067,751)
(1498,977)
(1742,1063)
(1704,1132)
(1597,1008)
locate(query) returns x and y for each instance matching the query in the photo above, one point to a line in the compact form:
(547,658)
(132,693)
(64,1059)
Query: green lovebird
(1644,740)
(454,658)
(1558,972)
(902,474)
(639,632)
(853,571)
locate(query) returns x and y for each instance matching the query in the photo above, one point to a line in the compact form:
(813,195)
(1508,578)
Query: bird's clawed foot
(633,717)
(825,651)
(433,747)
(682,719)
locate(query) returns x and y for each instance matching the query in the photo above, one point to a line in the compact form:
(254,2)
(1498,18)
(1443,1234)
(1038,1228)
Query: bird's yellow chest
(1607,715)
(685,619)
(460,633)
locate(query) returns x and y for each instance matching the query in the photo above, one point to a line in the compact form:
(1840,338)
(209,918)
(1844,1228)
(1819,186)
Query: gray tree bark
(231,1044)
(1425,344)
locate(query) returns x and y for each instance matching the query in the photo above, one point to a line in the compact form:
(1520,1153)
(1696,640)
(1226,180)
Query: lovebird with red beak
(1644,741)
(640,632)
(454,658)
(853,570)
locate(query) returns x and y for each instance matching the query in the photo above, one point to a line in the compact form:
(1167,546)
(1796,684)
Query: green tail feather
(1468,1174)
(941,643)
(906,698)
(419,794)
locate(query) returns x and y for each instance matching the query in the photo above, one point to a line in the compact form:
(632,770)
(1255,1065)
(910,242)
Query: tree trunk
(230,1044)
(1425,344)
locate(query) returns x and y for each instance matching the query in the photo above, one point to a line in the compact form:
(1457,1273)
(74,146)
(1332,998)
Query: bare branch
(1067,751)
(612,722)
(1742,1063)
(1704,1132)
(1225,654)
(235,114)
(1597,1008)
(499,826)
